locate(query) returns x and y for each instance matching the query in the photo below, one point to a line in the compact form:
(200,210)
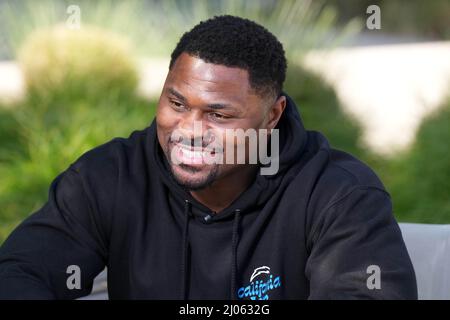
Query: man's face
(218,98)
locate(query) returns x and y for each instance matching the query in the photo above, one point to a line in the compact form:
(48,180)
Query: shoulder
(97,175)
(343,177)
(332,173)
(343,173)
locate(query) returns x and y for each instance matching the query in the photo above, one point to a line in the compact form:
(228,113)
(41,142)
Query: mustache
(204,142)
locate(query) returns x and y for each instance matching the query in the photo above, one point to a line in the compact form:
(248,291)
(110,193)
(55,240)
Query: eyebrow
(214,106)
(177,94)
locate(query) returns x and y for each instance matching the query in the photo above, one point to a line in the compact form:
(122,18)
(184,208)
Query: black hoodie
(321,228)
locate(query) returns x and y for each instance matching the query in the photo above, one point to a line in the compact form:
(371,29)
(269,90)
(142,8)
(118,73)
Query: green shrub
(81,93)
(421,177)
(86,63)
(37,152)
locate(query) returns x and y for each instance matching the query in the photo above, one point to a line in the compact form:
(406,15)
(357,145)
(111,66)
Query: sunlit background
(75,74)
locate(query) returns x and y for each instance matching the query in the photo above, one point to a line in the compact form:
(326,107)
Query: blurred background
(373,76)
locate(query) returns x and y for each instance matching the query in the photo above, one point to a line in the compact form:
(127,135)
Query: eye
(177,105)
(218,116)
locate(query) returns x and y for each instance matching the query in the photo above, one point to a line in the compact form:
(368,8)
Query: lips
(192,155)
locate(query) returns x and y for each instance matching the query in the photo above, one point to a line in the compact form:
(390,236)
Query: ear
(275,111)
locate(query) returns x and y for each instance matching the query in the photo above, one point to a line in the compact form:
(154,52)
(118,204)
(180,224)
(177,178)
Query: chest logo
(261,283)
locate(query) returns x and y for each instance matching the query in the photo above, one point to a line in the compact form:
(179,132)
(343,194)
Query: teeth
(193,154)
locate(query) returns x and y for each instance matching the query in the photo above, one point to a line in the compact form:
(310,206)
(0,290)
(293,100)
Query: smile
(192,155)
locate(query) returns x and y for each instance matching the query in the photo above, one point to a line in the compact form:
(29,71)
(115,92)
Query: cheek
(166,120)
(165,117)
(230,144)
(165,124)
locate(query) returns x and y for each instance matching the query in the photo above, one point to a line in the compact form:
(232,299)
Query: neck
(223,192)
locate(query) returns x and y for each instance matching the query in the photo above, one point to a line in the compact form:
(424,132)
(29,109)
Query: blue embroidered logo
(261,282)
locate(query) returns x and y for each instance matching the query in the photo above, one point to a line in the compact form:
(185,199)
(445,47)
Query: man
(170,225)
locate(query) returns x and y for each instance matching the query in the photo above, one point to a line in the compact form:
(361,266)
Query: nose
(191,127)
(190,121)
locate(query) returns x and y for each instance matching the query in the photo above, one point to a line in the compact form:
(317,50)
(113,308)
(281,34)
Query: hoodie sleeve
(43,257)
(357,250)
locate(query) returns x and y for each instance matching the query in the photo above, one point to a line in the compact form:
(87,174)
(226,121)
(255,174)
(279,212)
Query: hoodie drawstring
(184,261)
(234,244)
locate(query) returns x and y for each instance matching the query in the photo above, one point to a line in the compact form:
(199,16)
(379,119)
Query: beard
(193,183)
(198,183)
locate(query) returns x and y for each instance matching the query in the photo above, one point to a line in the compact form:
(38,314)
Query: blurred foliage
(419,18)
(81,94)
(78,63)
(35,148)
(155,26)
(420,182)
(429,19)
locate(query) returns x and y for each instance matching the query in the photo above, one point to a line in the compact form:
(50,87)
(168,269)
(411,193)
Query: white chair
(99,289)
(429,248)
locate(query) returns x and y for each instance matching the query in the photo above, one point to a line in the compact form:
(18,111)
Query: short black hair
(238,42)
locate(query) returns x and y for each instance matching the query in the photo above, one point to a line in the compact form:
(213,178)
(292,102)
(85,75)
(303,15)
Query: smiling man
(170,225)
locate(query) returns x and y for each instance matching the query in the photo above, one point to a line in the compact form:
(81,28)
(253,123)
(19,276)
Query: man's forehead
(197,76)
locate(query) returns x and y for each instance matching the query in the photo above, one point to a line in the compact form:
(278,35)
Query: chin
(194,178)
